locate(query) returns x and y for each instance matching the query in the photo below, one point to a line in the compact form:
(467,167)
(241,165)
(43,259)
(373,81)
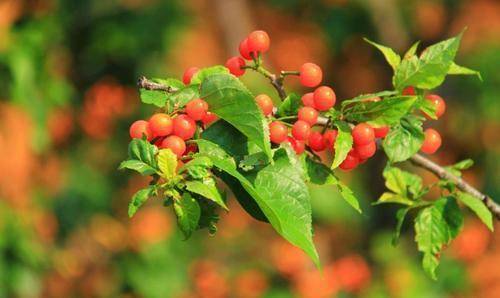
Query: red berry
(330,136)
(366,151)
(324,98)
(184,127)
(234,65)
(244,52)
(140,128)
(381,132)
(308,99)
(278,132)
(258,41)
(308,114)
(316,141)
(310,75)
(301,130)
(174,143)
(438,103)
(188,74)
(160,125)
(432,141)
(209,118)
(265,103)
(196,109)
(363,134)
(350,162)
(409,91)
(297,145)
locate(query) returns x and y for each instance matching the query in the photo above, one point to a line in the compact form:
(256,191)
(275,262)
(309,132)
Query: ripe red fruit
(316,141)
(140,128)
(432,141)
(363,134)
(174,143)
(324,98)
(308,99)
(188,74)
(184,127)
(297,145)
(381,132)
(409,91)
(209,118)
(438,103)
(265,103)
(160,125)
(258,41)
(330,136)
(350,162)
(308,114)
(244,52)
(301,130)
(366,151)
(234,65)
(310,75)
(278,132)
(196,109)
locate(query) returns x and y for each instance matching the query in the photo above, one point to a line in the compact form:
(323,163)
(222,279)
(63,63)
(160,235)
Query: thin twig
(144,83)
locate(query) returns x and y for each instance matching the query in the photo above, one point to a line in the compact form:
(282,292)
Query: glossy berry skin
(297,145)
(140,128)
(381,132)
(310,75)
(438,103)
(265,104)
(188,74)
(258,41)
(243,48)
(363,134)
(366,151)
(410,90)
(330,136)
(161,125)
(301,130)
(432,141)
(308,114)
(316,141)
(308,99)
(234,65)
(196,109)
(209,118)
(324,98)
(184,127)
(351,161)
(174,143)
(278,132)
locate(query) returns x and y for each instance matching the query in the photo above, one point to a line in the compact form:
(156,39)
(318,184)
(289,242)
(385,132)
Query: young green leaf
(348,196)
(204,73)
(393,198)
(364,97)
(461,70)
(400,217)
(426,106)
(139,198)
(208,189)
(184,95)
(343,143)
(401,182)
(154,97)
(478,208)
(412,51)
(392,58)
(167,162)
(289,106)
(188,213)
(404,140)
(138,166)
(141,157)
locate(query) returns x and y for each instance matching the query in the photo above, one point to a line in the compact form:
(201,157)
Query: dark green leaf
(400,217)
(139,198)
(478,207)
(318,173)
(188,213)
(251,161)
(184,95)
(290,106)
(427,107)
(461,70)
(392,58)
(141,157)
(343,143)
(404,140)
(348,196)
(208,189)
(228,138)
(385,112)
(137,165)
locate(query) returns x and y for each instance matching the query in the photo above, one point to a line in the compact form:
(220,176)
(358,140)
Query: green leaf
(184,95)
(188,213)
(249,162)
(228,138)
(392,58)
(401,182)
(208,189)
(229,99)
(385,112)
(171,82)
(404,140)
(461,70)
(454,217)
(343,143)
(428,71)
(154,97)
(290,106)
(400,217)
(204,73)
(394,198)
(348,196)
(427,107)
(141,157)
(477,207)
(463,165)
(140,198)
(318,173)
(167,162)
(364,97)
(412,51)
